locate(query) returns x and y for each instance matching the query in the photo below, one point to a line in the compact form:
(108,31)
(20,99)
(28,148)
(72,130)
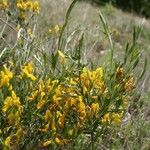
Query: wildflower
(30,32)
(19,133)
(63,57)
(95,108)
(50,31)
(48,115)
(21,5)
(81,108)
(28,70)
(56,99)
(70,132)
(72,102)
(58,141)
(10,101)
(17,118)
(5,77)
(129,85)
(33,95)
(46,143)
(116,118)
(4,4)
(61,121)
(29,5)
(36,7)
(40,104)
(56,29)
(106,118)
(7,141)
(45,129)
(99,72)
(10,88)
(53,126)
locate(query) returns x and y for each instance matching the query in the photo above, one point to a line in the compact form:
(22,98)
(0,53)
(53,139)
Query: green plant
(52,99)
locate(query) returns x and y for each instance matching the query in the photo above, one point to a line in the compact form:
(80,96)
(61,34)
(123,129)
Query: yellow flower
(81,108)
(56,29)
(17,118)
(40,104)
(33,95)
(53,126)
(36,7)
(19,133)
(63,57)
(72,102)
(106,118)
(29,5)
(50,31)
(48,115)
(30,32)
(61,121)
(28,70)
(21,5)
(7,104)
(46,143)
(4,4)
(116,118)
(95,108)
(5,77)
(58,141)
(7,141)
(70,132)
(129,85)
(45,129)
(16,100)
(99,72)
(10,101)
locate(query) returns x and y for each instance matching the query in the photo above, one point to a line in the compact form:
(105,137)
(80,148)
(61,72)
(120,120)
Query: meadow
(73,75)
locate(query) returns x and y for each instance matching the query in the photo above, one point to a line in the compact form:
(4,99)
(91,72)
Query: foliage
(138,6)
(54,99)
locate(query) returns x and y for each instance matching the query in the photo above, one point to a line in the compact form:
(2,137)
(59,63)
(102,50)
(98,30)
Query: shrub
(53,99)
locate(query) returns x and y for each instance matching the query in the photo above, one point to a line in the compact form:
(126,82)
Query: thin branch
(14,29)
(6,42)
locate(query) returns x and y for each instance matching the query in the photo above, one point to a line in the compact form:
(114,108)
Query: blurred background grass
(140,7)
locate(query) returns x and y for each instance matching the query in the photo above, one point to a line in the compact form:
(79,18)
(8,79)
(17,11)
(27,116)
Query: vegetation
(53,95)
(138,6)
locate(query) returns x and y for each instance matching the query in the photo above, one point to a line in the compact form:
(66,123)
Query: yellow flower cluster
(55,30)
(27,71)
(22,5)
(5,77)
(61,108)
(112,117)
(12,101)
(25,6)
(29,5)
(4,4)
